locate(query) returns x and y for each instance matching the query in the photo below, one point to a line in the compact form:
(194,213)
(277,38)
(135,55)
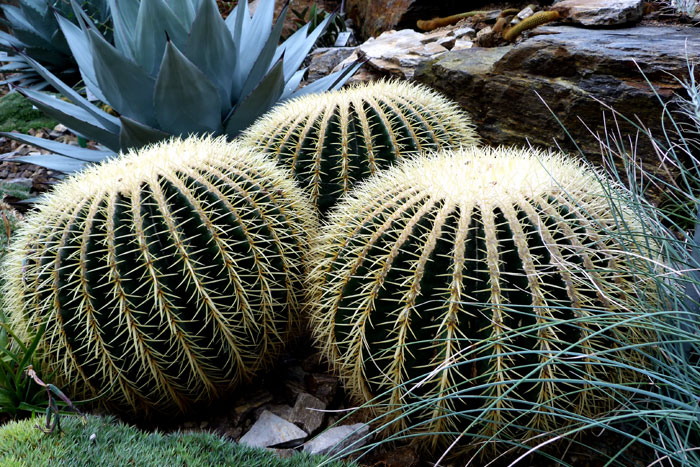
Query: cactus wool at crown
(331,141)
(165,276)
(463,271)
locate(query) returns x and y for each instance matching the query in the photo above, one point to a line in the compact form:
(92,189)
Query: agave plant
(35,32)
(174,68)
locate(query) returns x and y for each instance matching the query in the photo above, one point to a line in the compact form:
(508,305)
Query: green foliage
(18,114)
(334,140)
(36,33)
(175,69)
(478,297)
(115,443)
(166,277)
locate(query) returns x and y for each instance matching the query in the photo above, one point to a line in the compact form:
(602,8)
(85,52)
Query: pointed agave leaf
(264,61)
(292,84)
(124,14)
(80,47)
(135,135)
(258,102)
(185,100)
(185,11)
(296,49)
(237,22)
(154,24)
(55,162)
(105,119)
(66,150)
(210,47)
(72,116)
(331,82)
(8,40)
(124,84)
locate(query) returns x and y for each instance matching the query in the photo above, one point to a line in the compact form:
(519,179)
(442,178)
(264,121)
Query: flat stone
(308,412)
(334,440)
(600,12)
(324,59)
(507,90)
(462,44)
(271,430)
(20,181)
(461,32)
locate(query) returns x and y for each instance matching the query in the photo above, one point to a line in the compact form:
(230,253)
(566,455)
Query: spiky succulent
(35,32)
(333,140)
(476,293)
(166,276)
(175,68)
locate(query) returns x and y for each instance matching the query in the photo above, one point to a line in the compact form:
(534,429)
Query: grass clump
(18,114)
(114,443)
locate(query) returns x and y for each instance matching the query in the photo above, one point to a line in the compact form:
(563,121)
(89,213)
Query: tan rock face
(600,12)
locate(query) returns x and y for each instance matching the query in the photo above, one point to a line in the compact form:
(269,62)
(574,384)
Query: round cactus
(457,292)
(166,276)
(333,140)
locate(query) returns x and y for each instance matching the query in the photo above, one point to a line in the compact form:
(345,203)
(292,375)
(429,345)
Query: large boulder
(373,17)
(509,91)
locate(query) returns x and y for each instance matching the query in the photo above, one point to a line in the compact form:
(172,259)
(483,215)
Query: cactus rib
(446,268)
(171,274)
(332,141)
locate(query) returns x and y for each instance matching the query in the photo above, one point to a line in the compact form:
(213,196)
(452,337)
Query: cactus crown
(169,274)
(466,267)
(333,140)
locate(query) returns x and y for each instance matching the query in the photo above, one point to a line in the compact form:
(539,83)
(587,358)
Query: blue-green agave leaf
(80,48)
(296,49)
(237,22)
(124,14)
(9,41)
(105,119)
(331,82)
(154,24)
(136,135)
(185,100)
(293,84)
(125,85)
(67,150)
(258,102)
(72,116)
(185,11)
(264,60)
(55,162)
(210,47)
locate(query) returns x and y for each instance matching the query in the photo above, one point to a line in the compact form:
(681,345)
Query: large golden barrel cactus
(477,292)
(331,141)
(166,276)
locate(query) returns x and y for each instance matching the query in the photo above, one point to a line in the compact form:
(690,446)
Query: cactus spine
(331,141)
(169,275)
(466,266)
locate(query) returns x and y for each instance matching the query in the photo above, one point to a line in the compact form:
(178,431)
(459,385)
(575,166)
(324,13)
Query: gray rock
(307,412)
(271,430)
(324,59)
(600,12)
(20,181)
(336,439)
(568,67)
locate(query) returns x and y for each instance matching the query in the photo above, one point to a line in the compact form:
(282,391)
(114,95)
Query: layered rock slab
(508,90)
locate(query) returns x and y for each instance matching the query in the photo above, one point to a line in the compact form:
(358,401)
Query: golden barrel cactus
(166,276)
(331,141)
(476,292)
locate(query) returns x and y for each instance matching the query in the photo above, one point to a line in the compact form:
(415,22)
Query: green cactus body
(333,140)
(441,267)
(166,276)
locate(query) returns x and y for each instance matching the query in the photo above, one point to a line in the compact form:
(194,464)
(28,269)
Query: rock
(600,12)
(461,44)
(307,412)
(398,53)
(462,32)
(334,440)
(271,430)
(324,59)
(568,67)
(322,386)
(377,16)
